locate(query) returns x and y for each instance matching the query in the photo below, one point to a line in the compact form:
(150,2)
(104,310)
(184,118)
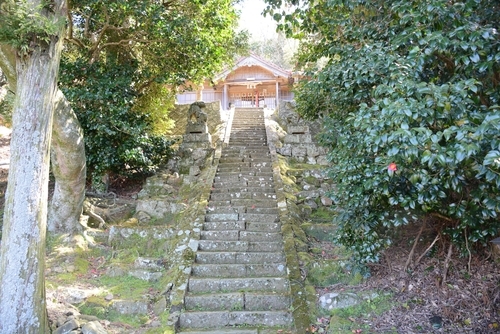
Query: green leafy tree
(277,49)
(121,57)
(414,83)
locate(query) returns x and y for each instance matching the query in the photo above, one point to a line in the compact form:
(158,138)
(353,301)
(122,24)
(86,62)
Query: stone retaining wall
(298,140)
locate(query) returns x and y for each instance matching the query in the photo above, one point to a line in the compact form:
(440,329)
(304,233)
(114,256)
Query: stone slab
(237,257)
(207,285)
(224,225)
(239,270)
(259,236)
(220,235)
(239,246)
(215,302)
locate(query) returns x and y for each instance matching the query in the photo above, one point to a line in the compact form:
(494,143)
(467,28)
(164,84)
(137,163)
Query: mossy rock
(321,232)
(312,181)
(96,301)
(330,272)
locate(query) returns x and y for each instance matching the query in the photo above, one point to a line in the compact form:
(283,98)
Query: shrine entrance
(251,82)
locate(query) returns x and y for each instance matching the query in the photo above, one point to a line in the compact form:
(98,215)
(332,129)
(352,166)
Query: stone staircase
(239,281)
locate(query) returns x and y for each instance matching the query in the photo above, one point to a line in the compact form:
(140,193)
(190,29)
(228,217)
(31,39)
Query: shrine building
(251,82)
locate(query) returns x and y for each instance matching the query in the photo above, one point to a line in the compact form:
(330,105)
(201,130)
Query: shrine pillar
(277,94)
(225,98)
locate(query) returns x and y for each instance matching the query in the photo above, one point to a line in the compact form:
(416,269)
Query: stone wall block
(286,150)
(299,151)
(298,129)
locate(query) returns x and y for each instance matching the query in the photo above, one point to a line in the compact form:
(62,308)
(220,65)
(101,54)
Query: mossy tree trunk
(68,167)
(22,251)
(67,155)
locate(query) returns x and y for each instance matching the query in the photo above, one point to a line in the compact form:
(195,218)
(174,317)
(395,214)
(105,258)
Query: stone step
(255,121)
(245,189)
(247,147)
(241,225)
(258,203)
(259,218)
(250,169)
(238,270)
(225,209)
(247,143)
(239,246)
(251,284)
(221,331)
(242,209)
(240,301)
(224,225)
(259,169)
(263,168)
(229,196)
(261,210)
(243,183)
(237,257)
(248,136)
(228,165)
(243,162)
(227,235)
(254,134)
(248,140)
(220,319)
(248,217)
(228,184)
(231,150)
(242,235)
(224,196)
(217,217)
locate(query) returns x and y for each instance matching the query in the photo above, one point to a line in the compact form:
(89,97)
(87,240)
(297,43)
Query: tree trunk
(22,252)
(68,167)
(67,156)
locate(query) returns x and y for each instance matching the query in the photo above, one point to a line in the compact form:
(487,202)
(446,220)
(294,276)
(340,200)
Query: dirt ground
(468,301)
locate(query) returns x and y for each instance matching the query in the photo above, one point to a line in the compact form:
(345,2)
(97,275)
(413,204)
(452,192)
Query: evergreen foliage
(123,64)
(415,83)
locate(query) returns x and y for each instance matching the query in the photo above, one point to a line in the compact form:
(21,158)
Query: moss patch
(350,319)
(328,272)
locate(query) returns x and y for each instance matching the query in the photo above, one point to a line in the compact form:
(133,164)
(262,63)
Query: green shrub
(415,83)
(118,138)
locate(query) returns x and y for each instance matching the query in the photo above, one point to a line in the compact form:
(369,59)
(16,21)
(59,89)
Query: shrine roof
(254,60)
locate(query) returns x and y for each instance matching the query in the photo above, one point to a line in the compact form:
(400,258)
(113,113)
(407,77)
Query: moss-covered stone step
(243,189)
(250,147)
(257,195)
(220,319)
(230,196)
(257,170)
(239,270)
(248,131)
(242,225)
(233,235)
(238,257)
(209,285)
(225,331)
(230,184)
(239,301)
(240,170)
(250,217)
(239,246)
(261,203)
(229,165)
(259,210)
(245,151)
(259,218)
